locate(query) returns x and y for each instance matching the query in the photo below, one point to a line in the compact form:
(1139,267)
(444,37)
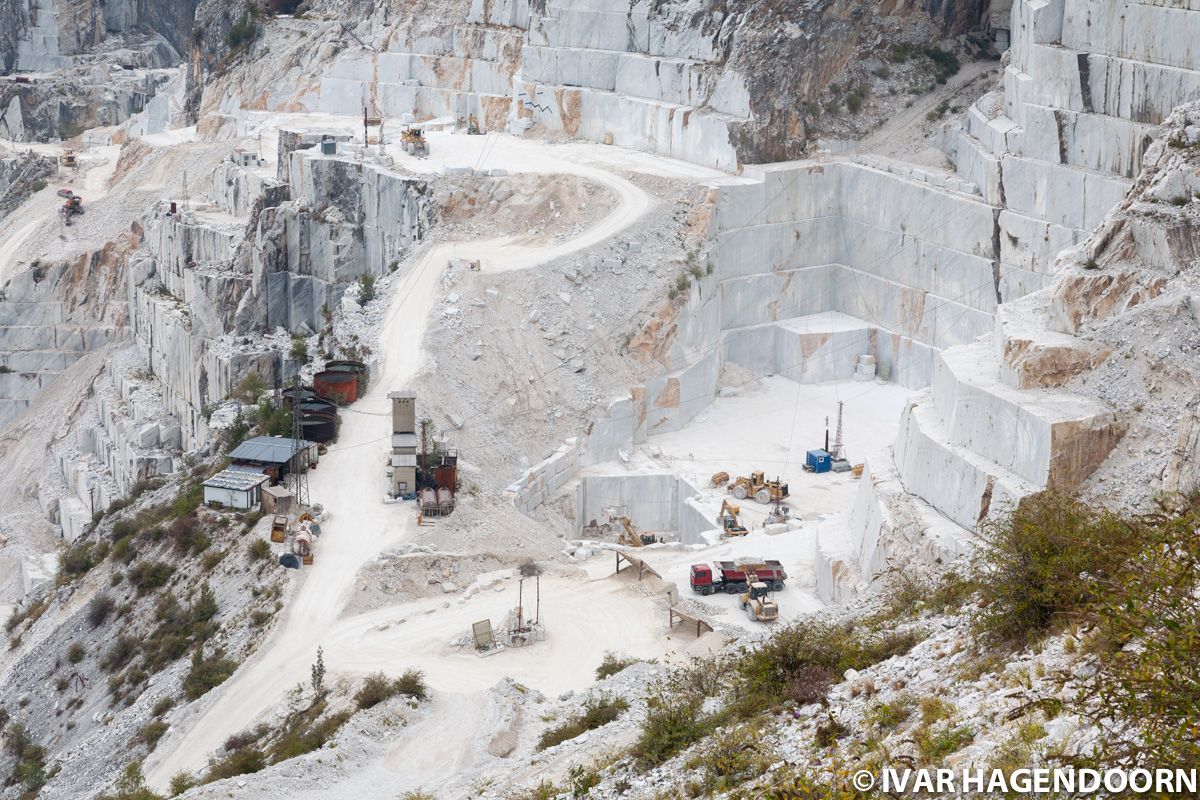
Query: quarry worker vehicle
(629,536)
(68,158)
(71,206)
(727,518)
(414,142)
(758,487)
(720,479)
(757,603)
(732,577)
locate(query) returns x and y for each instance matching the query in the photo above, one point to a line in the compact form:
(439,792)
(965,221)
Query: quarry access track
(351,485)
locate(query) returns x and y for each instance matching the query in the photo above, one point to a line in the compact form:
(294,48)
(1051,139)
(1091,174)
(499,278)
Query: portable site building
(235,489)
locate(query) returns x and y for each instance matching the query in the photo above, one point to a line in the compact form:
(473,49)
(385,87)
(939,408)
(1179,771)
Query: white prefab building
(235,489)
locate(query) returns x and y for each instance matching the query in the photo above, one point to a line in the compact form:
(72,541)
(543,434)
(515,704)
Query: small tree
(318,672)
(366,288)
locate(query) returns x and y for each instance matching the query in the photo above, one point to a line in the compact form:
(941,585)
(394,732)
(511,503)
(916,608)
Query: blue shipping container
(818,461)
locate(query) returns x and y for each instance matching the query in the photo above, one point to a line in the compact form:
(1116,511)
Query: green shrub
(151,732)
(146,576)
(888,715)
(30,767)
(188,499)
(188,536)
(180,783)
(1038,568)
(299,351)
(673,722)
(131,785)
(611,664)
(239,762)
(801,661)
(412,684)
(1147,633)
(945,63)
(125,548)
(259,550)
(78,559)
(377,688)
(120,654)
(164,705)
(366,288)
(76,652)
(241,32)
(99,609)
(596,713)
(854,102)
(207,673)
(935,744)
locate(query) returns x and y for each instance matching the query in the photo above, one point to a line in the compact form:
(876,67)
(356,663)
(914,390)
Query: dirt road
(351,483)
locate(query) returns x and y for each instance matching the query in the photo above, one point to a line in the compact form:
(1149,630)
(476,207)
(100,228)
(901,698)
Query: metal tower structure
(298,466)
(836,452)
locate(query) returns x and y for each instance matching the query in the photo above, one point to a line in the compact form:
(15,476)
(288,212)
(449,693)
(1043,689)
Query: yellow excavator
(757,603)
(727,518)
(629,536)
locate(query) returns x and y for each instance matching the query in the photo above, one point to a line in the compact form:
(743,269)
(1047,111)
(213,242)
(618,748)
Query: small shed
(244,158)
(277,500)
(235,489)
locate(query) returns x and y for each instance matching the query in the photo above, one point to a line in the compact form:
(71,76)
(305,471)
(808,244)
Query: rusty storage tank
(346,365)
(340,387)
(445,500)
(318,427)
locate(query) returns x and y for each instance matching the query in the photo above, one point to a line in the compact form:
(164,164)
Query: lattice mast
(298,468)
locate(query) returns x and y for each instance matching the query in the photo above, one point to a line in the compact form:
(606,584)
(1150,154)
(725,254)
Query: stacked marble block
(600,70)
(623,73)
(911,258)
(37,340)
(38,50)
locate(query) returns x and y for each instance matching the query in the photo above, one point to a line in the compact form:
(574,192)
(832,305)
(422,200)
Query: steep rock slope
(716,83)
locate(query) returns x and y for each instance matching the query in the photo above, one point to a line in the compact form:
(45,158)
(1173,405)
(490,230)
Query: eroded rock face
(1081,297)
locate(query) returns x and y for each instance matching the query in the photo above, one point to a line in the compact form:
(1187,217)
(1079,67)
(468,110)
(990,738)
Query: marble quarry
(268,254)
(604,71)
(944,279)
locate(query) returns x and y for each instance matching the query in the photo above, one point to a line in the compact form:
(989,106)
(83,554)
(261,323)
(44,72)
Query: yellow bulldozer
(727,518)
(757,603)
(758,487)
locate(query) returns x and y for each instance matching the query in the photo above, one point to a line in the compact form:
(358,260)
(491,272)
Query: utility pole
(298,470)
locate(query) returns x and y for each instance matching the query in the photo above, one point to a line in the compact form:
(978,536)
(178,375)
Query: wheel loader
(758,487)
(414,142)
(757,603)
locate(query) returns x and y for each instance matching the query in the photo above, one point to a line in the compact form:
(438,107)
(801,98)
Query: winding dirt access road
(351,484)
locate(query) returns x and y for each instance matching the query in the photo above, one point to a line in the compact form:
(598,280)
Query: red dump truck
(731,576)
